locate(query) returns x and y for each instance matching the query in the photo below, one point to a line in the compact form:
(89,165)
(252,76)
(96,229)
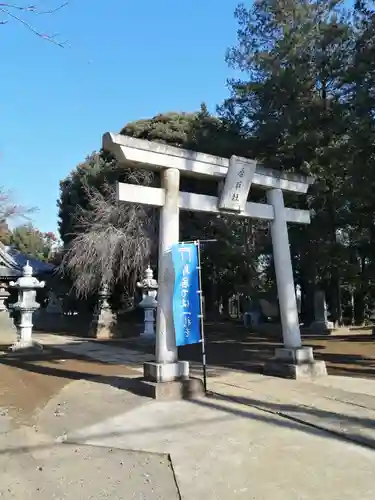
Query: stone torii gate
(235,175)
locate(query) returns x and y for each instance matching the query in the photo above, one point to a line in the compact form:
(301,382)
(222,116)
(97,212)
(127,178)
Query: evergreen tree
(294,56)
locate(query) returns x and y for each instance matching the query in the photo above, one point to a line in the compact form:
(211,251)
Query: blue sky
(127,60)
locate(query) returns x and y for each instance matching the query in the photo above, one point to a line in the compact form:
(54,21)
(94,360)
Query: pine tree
(294,56)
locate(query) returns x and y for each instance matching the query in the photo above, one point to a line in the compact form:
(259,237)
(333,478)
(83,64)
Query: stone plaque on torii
(238,175)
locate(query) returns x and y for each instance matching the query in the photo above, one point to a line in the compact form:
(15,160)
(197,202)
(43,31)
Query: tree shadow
(309,420)
(365,338)
(61,364)
(349,365)
(313,420)
(231,346)
(53,354)
(234,347)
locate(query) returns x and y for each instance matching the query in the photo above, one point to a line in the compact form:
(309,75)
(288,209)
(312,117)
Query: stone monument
(321,323)
(149,287)
(24,308)
(238,174)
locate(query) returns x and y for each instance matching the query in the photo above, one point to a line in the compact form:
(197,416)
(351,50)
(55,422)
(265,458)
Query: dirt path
(231,346)
(26,385)
(47,397)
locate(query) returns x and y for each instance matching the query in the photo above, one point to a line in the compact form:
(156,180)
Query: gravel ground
(86,472)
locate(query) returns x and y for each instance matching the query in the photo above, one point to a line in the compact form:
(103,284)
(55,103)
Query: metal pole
(203,344)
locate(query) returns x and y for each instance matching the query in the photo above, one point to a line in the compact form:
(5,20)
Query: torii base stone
(295,363)
(189,388)
(166,382)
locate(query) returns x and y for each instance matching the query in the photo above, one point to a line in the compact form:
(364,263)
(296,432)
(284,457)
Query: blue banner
(186,299)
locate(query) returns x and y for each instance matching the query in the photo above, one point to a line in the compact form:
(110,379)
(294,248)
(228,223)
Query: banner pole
(203,344)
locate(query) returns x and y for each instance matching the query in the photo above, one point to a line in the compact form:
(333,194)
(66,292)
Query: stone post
(149,287)
(166,367)
(25,306)
(292,359)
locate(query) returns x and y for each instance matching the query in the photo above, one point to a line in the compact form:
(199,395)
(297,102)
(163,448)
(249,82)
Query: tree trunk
(335,291)
(211,301)
(307,305)
(308,286)
(248,235)
(225,304)
(360,295)
(335,295)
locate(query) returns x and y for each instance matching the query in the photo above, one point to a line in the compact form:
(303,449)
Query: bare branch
(11,210)
(10,9)
(112,244)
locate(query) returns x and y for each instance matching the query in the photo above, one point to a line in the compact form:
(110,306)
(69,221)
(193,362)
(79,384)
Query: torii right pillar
(292,360)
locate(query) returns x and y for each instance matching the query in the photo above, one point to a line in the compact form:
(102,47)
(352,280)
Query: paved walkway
(34,466)
(225,449)
(111,354)
(332,405)
(94,350)
(254,437)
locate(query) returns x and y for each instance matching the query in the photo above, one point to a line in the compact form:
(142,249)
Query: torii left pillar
(167,367)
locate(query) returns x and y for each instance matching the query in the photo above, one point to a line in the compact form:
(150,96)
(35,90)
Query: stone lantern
(25,306)
(103,324)
(149,287)
(4,294)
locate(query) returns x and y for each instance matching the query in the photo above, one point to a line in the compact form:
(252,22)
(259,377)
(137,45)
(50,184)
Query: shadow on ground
(312,421)
(230,345)
(57,363)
